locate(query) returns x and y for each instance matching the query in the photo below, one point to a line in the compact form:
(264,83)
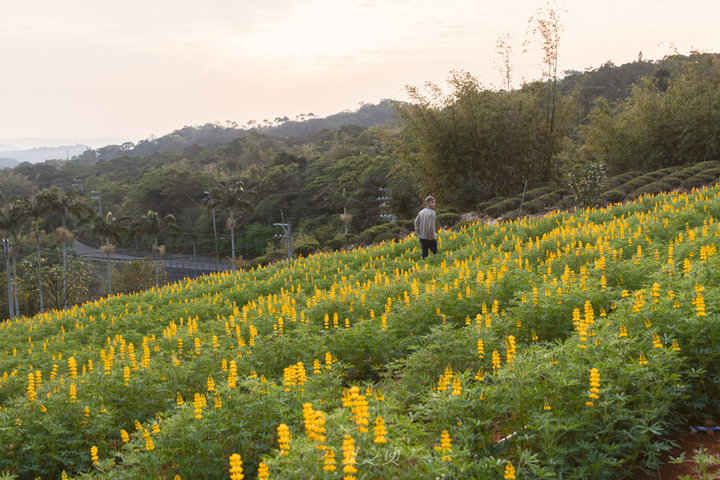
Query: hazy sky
(84,69)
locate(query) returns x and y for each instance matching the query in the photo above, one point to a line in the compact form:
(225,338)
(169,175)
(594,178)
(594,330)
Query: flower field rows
(566,346)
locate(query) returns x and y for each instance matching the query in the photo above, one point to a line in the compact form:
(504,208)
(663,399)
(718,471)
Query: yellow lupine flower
(349,454)
(198,406)
(457,387)
(594,386)
(263,471)
(495,360)
(284,438)
(236,467)
(445,446)
(329,461)
(380,430)
(509,472)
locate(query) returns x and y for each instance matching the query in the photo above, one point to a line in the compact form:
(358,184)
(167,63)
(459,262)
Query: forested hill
(609,81)
(193,139)
(330,178)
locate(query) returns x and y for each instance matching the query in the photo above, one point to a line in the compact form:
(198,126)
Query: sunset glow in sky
(86,71)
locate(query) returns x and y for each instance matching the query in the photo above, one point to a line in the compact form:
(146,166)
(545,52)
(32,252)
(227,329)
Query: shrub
(715,171)
(533,206)
(634,184)
(305,245)
(663,172)
(613,196)
(340,241)
(587,182)
(537,192)
(504,206)
(653,188)
(79,281)
(708,164)
(137,276)
(673,181)
(617,180)
(447,220)
(406,225)
(482,206)
(698,180)
(368,236)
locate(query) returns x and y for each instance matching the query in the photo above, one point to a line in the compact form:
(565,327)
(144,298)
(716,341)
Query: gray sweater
(425,224)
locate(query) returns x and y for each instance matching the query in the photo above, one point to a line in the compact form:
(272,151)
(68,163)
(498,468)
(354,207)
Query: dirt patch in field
(687,443)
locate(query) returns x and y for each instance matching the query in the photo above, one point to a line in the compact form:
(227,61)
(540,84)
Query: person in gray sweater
(425,227)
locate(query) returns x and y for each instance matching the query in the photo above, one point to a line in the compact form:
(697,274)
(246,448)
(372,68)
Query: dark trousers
(428,245)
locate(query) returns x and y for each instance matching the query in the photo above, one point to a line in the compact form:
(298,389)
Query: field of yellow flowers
(566,346)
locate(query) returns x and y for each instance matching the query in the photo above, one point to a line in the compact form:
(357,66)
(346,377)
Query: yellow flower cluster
(314,424)
(358,406)
(199,402)
(329,460)
(349,454)
(31,394)
(284,438)
(236,467)
(445,379)
(263,471)
(509,472)
(232,374)
(457,386)
(380,430)
(294,375)
(699,304)
(511,351)
(594,386)
(445,447)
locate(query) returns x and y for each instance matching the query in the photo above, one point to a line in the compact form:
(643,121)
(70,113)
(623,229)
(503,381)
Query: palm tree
(35,208)
(234,197)
(108,227)
(153,225)
(11,220)
(66,203)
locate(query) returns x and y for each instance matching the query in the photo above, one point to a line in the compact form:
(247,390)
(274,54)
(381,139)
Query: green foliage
(587,181)
(165,190)
(706,468)
(447,220)
(619,290)
(137,276)
(699,180)
(470,142)
(503,206)
(661,124)
(652,188)
(80,281)
(304,244)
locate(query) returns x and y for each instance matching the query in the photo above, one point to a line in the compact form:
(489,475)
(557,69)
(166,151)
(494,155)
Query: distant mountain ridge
(40,154)
(210,135)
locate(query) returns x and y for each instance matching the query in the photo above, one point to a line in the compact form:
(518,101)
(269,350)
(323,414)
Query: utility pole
(385,197)
(217,249)
(6,250)
(96,196)
(288,235)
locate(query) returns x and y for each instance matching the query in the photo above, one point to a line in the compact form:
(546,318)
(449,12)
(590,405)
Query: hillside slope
(568,345)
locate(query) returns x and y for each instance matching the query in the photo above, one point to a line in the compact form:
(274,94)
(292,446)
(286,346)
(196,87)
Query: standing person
(425,227)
